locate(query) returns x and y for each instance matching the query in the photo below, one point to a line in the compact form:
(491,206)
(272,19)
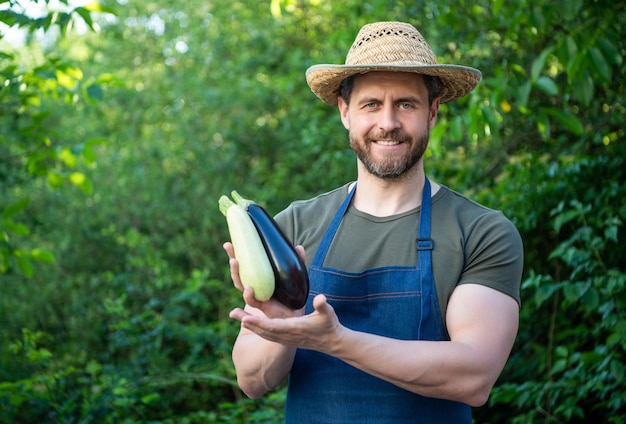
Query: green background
(121,124)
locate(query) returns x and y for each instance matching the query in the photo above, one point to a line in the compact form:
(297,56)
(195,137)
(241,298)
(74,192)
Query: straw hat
(391,46)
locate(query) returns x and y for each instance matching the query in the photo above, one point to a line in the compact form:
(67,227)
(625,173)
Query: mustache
(388,135)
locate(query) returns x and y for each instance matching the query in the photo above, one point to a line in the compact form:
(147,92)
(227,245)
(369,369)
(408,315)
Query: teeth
(387,143)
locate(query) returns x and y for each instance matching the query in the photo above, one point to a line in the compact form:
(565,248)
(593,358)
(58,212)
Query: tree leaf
(562,215)
(574,291)
(25,265)
(96,6)
(539,63)
(55,180)
(524,94)
(566,119)
(547,85)
(544,292)
(569,9)
(543,125)
(558,366)
(15,208)
(81,181)
(599,64)
(84,13)
(617,370)
(591,299)
(95,92)
(42,255)
(68,157)
(609,51)
(16,228)
(571,50)
(584,89)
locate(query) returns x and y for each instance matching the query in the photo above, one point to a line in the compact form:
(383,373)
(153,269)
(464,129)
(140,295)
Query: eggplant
(291,276)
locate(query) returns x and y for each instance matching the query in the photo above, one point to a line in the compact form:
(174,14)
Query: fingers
(237,314)
(320,304)
(248,297)
(234,265)
(301,253)
(325,310)
(228,247)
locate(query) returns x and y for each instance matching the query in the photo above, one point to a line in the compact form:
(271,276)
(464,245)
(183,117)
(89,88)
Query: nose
(389,119)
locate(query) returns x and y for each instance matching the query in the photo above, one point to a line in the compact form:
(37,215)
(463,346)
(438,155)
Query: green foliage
(568,361)
(144,119)
(151,351)
(31,88)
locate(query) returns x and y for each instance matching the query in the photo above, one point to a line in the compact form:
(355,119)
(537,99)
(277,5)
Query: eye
(406,106)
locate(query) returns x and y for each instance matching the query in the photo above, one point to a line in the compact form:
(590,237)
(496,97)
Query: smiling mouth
(387,143)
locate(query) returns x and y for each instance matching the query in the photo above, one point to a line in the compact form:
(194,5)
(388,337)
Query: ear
(434,109)
(343,110)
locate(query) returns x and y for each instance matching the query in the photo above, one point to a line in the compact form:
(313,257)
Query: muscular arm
(482,324)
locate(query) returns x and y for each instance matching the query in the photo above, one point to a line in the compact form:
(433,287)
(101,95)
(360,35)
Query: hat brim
(325,79)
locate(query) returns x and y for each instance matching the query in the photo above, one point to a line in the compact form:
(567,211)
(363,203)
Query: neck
(380,197)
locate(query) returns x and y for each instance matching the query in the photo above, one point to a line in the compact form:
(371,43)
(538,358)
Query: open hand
(319,330)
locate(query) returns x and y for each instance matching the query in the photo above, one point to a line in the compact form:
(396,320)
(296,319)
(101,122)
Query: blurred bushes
(115,145)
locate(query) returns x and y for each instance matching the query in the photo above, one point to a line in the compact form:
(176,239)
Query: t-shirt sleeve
(494,255)
(285,221)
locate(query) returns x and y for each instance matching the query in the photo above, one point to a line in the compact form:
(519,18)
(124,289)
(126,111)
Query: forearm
(482,324)
(261,365)
(446,370)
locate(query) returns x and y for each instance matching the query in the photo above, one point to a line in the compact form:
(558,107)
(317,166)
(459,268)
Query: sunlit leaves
(10,229)
(68,76)
(51,15)
(80,180)
(55,180)
(29,96)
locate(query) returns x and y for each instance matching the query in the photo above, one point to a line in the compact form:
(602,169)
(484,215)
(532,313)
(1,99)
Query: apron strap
(424,245)
(329,235)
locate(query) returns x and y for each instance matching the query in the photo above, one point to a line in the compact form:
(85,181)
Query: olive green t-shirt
(472,243)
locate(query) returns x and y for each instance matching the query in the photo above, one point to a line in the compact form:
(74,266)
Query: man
(414,299)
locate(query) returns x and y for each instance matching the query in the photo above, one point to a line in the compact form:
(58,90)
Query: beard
(390,167)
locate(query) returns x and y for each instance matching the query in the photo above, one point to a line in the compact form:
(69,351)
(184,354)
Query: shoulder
(327,202)
(450,206)
(491,246)
(304,221)
(459,202)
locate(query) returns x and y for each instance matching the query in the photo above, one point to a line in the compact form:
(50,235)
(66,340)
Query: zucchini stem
(244,203)
(225,204)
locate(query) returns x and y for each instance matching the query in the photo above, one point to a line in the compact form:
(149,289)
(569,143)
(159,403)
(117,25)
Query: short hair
(433,85)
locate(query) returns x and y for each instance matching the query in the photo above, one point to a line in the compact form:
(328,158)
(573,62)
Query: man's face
(389,121)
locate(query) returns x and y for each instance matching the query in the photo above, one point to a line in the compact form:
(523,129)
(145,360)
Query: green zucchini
(255,268)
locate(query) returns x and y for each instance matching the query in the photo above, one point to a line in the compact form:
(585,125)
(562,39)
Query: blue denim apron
(398,302)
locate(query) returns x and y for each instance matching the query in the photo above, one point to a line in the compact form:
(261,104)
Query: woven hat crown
(396,47)
(390,43)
